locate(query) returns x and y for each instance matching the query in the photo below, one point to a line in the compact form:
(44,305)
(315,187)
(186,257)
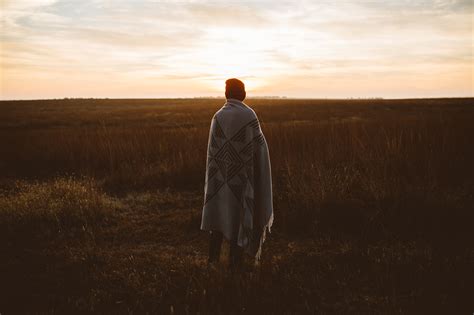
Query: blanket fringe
(262,239)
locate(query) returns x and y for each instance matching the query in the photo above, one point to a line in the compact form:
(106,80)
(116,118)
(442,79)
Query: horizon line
(269,97)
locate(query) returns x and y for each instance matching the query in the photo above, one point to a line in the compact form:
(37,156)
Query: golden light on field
(99,48)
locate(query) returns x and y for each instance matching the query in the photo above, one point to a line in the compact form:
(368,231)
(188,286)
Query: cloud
(171,42)
(24,4)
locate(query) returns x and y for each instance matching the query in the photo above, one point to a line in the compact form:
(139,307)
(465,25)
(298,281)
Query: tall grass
(373,207)
(33,214)
(377,168)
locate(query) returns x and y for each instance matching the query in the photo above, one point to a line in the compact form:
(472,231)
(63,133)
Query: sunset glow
(354,48)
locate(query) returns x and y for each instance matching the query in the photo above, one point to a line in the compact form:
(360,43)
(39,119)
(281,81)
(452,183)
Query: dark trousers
(215,244)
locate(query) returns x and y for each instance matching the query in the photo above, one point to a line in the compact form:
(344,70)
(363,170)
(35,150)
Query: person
(238,203)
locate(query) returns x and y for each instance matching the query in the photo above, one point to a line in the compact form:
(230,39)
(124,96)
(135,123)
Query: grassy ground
(100,206)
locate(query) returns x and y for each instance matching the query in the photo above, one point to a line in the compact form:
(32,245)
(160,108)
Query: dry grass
(373,207)
(34,213)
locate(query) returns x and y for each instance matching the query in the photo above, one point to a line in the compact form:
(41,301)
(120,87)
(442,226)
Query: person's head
(235,88)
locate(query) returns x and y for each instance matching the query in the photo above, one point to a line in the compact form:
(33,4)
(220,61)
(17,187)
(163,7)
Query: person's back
(238,193)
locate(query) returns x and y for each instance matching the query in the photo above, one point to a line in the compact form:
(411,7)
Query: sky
(304,49)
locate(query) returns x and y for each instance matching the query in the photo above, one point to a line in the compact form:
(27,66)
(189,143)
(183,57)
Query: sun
(233,53)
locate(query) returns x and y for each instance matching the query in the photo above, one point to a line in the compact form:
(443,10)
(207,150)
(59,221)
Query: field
(100,204)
